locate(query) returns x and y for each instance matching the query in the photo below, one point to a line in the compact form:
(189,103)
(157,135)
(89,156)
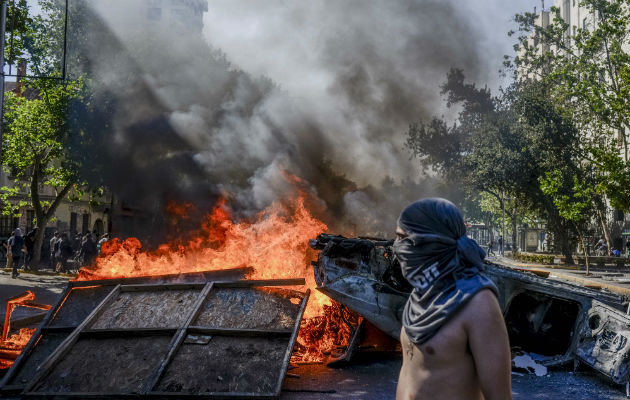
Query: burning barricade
(216,314)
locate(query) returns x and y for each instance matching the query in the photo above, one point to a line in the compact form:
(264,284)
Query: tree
(587,67)
(43,136)
(36,146)
(574,203)
(502,146)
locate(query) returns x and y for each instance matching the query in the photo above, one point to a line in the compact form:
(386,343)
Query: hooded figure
(16,242)
(442,264)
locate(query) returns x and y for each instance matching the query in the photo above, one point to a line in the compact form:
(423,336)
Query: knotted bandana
(442,264)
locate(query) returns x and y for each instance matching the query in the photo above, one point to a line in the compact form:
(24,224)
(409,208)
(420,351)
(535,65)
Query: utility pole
(3,25)
(503,223)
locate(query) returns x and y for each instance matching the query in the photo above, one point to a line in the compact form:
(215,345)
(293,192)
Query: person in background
(54,246)
(29,243)
(88,251)
(104,239)
(454,340)
(16,244)
(490,246)
(76,244)
(64,252)
(601,247)
(6,252)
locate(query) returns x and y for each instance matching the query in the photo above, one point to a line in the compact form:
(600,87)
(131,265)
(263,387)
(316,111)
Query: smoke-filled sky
(285,39)
(323,90)
(365,69)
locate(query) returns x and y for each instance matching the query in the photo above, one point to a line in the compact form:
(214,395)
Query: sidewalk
(615,281)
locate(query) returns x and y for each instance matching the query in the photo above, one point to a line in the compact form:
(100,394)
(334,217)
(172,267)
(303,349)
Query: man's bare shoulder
(482,308)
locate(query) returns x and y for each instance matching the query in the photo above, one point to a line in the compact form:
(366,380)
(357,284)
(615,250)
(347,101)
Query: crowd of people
(64,251)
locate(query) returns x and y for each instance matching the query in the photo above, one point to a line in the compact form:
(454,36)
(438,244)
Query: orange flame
(274,244)
(12,345)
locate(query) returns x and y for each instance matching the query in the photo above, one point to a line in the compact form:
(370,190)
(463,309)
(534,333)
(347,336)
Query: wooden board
(40,351)
(152,309)
(120,365)
(79,303)
(226,364)
(250,308)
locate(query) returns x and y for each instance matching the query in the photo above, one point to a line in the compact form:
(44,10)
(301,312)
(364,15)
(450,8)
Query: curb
(40,272)
(582,281)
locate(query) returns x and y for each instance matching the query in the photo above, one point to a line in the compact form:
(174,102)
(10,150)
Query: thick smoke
(323,90)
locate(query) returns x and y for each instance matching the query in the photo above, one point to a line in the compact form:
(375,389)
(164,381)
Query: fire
(274,244)
(12,345)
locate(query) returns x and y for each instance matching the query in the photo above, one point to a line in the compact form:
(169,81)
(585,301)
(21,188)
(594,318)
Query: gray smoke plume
(323,90)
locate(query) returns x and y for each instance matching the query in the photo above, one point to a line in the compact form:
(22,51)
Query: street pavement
(613,279)
(46,285)
(373,375)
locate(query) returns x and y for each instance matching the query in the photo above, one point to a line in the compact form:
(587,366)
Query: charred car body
(557,320)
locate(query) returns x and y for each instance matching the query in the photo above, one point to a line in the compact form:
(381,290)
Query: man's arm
(489,345)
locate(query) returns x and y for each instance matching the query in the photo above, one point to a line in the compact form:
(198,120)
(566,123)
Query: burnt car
(558,321)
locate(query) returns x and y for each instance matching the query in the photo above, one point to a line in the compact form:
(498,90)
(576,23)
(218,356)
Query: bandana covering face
(442,264)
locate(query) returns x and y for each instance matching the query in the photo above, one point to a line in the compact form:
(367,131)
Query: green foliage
(587,69)
(36,136)
(502,147)
(573,203)
(535,258)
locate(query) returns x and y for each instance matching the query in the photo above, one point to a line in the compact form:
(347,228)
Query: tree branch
(60,196)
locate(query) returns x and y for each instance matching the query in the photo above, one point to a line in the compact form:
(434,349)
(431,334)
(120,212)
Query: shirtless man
(455,344)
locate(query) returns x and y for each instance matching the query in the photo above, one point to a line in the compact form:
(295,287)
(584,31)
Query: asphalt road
(373,376)
(46,288)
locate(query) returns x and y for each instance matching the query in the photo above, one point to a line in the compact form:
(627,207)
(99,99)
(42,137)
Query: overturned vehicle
(558,321)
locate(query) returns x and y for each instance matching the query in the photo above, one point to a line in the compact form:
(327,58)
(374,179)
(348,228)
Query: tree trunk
(37,247)
(602,220)
(514,233)
(43,217)
(583,243)
(565,246)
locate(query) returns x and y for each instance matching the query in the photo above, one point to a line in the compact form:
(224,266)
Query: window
(585,24)
(154,13)
(180,17)
(86,224)
(73,223)
(7,225)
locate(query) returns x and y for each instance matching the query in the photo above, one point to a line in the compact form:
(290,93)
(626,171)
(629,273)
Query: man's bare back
(468,358)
